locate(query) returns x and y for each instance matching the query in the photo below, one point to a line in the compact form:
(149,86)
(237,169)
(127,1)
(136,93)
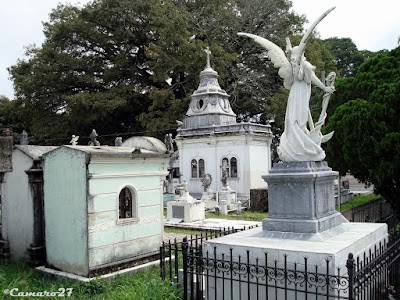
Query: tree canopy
(367,128)
(132,65)
(347,56)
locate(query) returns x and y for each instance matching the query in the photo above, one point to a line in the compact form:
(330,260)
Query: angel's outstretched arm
(315,80)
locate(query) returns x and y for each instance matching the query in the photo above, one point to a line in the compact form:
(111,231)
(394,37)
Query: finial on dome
(208,57)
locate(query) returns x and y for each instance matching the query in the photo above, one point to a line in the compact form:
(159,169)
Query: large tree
(242,66)
(367,128)
(90,72)
(136,63)
(10,116)
(347,56)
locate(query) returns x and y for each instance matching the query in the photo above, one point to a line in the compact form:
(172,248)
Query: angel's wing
(303,41)
(277,56)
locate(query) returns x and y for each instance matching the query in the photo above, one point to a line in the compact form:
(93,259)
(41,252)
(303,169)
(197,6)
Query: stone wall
(6,147)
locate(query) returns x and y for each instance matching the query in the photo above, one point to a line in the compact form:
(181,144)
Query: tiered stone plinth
(301,198)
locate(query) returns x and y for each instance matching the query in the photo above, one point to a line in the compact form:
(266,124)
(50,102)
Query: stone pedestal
(207,196)
(301,198)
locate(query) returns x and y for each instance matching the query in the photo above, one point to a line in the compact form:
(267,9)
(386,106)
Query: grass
(182,230)
(245,215)
(357,201)
(141,285)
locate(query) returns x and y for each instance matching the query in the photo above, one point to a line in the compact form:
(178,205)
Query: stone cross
(208,57)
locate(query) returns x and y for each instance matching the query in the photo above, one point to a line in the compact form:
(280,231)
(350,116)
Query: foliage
(141,285)
(179,56)
(347,56)
(367,128)
(91,65)
(10,117)
(178,230)
(244,215)
(125,65)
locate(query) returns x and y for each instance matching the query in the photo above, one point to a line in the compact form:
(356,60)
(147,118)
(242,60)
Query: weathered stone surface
(6,147)
(301,198)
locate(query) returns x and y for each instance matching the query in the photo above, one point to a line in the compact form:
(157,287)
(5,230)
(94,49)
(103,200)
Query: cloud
(370,26)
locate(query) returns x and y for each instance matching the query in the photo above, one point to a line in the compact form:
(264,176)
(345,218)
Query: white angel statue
(298,143)
(74,140)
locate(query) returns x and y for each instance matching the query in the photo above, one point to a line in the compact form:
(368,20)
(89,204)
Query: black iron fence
(376,275)
(211,275)
(377,211)
(231,276)
(171,256)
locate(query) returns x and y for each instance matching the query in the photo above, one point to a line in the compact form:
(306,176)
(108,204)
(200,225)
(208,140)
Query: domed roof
(145,142)
(209,100)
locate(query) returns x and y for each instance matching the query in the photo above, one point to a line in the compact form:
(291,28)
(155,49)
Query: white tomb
(185,209)
(210,136)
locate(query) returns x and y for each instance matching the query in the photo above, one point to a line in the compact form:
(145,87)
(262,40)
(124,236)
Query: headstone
(239,208)
(223,207)
(24,140)
(259,199)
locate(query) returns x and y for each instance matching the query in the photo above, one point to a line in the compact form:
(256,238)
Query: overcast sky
(372,25)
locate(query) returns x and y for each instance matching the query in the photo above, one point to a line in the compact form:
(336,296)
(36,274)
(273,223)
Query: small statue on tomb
(118,141)
(93,139)
(206,180)
(224,177)
(183,188)
(74,140)
(179,123)
(168,141)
